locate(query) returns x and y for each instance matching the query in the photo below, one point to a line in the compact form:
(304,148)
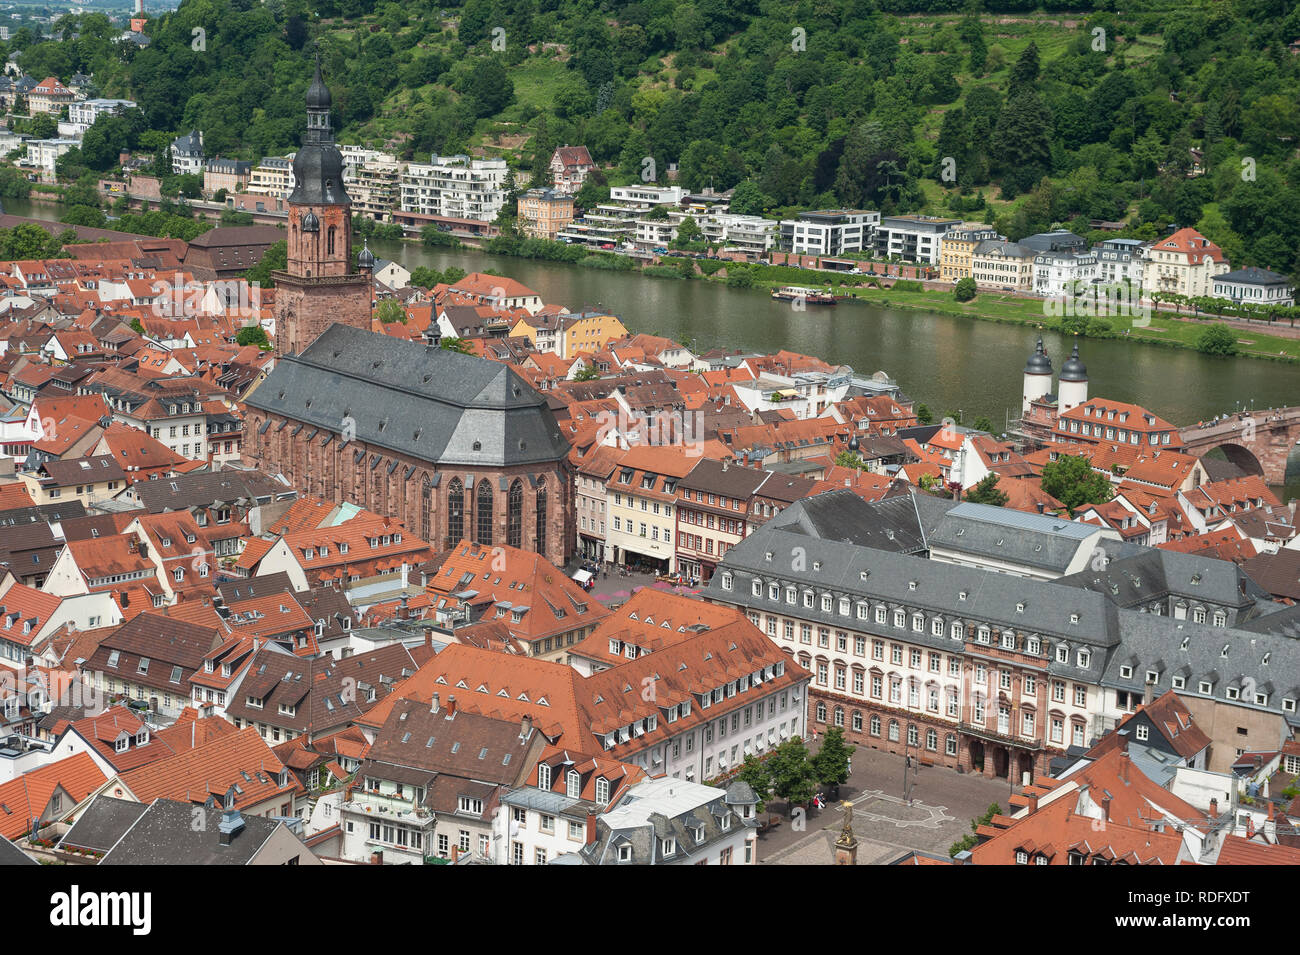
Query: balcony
(980,731)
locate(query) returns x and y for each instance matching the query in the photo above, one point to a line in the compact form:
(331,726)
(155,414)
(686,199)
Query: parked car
(661,251)
(607,245)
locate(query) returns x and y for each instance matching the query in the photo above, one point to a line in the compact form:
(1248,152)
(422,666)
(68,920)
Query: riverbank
(1164,330)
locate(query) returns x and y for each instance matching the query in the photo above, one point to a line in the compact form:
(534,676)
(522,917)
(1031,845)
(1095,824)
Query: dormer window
(573,784)
(669,846)
(624,853)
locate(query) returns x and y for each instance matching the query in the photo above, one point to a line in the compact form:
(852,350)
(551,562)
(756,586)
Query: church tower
(318,286)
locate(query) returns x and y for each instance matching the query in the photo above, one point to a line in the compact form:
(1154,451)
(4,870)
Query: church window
(483,509)
(515,518)
(455,513)
(541,516)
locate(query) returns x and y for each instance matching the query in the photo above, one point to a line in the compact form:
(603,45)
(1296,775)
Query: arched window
(821,712)
(541,516)
(931,739)
(893,731)
(515,515)
(913,735)
(875,725)
(483,511)
(426,510)
(573,784)
(455,513)
(839,716)
(857,721)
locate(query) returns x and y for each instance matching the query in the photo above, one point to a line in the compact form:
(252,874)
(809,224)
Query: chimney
(434,705)
(1123,765)
(451,707)
(1105,807)
(231,825)
(1214,808)
(1042,507)
(591,828)
(377,857)
(1148,693)
(525,727)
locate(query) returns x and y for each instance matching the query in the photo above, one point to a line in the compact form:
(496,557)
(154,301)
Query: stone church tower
(318,287)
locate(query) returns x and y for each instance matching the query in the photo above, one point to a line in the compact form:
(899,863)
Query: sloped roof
(431,403)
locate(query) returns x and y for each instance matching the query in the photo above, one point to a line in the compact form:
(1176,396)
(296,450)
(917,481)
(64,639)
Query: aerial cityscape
(650,433)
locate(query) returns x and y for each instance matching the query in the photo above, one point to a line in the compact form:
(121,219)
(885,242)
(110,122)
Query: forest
(1020,114)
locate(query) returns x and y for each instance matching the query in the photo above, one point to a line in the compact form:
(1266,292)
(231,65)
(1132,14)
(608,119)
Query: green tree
(831,764)
(923,414)
(970,840)
(792,773)
(252,335)
(84,216)
(849,459)
(754,771)
(488,87)
(136,326)
(964,290)
(1217,339)
(588,372)
(1072,481)
(433,237)
(390,310)
(982,423)
(274,259)
(458,345)
(747,199)
(987,492)
(424,277)
(689,231)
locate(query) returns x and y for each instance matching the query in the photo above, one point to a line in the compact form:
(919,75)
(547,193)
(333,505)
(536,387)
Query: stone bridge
(1258,442)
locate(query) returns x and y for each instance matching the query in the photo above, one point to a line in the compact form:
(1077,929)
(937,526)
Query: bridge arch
(1238,455)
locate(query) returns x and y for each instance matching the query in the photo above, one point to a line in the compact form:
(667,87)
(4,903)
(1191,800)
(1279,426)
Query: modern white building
(829,232)
(455,187)
(807,394)
(82,114)
(273,176)
(43,153)
(373,183)
(912,238)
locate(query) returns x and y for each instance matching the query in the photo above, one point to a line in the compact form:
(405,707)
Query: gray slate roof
(164,834)
(430,403)
(1111,609)
(10,854)
(997,533)
(102,824)
(891,524)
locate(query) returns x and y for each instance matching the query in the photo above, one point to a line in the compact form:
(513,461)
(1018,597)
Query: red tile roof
(28,796)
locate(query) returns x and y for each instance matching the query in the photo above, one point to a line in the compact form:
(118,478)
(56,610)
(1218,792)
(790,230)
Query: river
(948,363)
